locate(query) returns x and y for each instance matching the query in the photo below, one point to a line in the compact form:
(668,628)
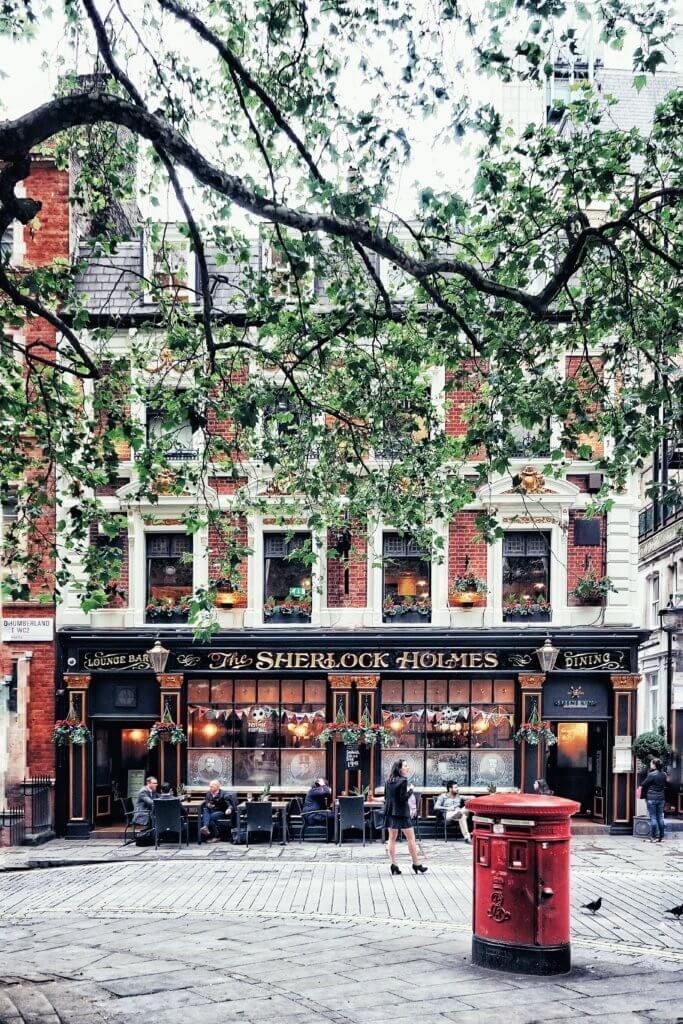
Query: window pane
(203,765)
(169,577)
(287,578)
(526,573)
(198,691)
(447,766)
(256,767)
(407,580)
(493,767)
(222,691)
(415,759)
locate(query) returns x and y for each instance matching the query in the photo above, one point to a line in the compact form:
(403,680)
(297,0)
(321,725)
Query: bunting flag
(495,716)
(214,714)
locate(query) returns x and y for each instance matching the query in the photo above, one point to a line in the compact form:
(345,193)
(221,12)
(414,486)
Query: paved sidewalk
(313,933)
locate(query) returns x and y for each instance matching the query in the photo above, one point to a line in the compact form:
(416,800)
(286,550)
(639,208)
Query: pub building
(252,704)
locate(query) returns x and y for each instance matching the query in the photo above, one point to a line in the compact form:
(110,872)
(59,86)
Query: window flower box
(468,591)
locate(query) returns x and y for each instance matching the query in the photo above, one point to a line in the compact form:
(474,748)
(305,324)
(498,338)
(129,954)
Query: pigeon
(677,911)
(594,906)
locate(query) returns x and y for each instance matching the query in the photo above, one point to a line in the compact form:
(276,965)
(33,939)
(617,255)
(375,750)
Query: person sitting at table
(144,803)
(218,804)
(450,806)
(166,793)
(315,810)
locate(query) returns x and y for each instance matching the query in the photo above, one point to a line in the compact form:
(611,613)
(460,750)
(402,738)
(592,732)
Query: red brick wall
(588,369)
(461,543)
(461,393)
(578,555)
(218,549)
(40,755)
(357,596)
(46,238)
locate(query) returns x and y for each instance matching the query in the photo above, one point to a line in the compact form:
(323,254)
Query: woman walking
(397,814)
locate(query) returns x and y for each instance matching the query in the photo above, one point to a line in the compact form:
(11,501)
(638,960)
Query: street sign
(16,630)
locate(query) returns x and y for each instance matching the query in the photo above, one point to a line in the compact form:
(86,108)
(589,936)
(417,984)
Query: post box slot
(483,851)
(482,821)
(517,822)
(518,851)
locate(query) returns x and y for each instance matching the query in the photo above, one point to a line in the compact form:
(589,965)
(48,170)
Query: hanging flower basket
(167,732)
(353,735)
(534,733)
(71,733)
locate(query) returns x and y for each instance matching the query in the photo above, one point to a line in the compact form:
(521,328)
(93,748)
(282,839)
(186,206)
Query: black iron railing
(12,822)
(659,514)
(37,796)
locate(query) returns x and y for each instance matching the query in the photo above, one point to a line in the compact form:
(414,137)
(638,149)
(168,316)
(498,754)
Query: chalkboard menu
(352,758)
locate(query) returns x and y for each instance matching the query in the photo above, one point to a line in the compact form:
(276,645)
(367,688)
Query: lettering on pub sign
(406,660)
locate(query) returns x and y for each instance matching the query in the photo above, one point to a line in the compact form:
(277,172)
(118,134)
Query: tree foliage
(299,120)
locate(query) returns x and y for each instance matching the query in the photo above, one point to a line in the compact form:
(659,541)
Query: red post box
(521,882)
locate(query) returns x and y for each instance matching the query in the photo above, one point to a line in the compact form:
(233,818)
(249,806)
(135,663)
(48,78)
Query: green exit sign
(297,592)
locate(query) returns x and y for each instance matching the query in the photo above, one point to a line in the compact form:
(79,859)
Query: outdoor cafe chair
(167,818)
(260,819)
(351,814)
(128,811)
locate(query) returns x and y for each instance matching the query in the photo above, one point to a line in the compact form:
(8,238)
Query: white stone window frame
(434,381)
(654,588)
(439,580)
(256,574)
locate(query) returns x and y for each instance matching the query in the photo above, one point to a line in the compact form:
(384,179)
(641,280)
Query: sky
(31,71)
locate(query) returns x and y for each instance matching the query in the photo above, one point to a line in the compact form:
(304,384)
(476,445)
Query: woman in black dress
(397,814)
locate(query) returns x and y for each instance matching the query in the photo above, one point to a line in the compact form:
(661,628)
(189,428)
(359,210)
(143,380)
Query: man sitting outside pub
(144,803)
(452,807)
(219,804)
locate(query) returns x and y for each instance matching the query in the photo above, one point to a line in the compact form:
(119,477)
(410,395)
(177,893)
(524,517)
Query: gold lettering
(490,659)
(381,660)
(349,659)
(428,659)
(476,659)
(407,660)
(264,660)
(366,659)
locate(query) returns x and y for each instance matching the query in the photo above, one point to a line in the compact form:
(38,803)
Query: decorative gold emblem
(575,692)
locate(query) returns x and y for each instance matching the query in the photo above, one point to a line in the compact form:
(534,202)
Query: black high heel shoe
(395,869)
(419,869)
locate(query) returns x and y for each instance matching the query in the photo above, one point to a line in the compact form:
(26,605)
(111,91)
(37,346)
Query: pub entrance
(121,761)
(576,766)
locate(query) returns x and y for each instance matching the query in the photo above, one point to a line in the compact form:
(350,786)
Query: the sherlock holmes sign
(406,660)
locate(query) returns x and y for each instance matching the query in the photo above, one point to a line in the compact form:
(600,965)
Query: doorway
(576,765)
(121,763)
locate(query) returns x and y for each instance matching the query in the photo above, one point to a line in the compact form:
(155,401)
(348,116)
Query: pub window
(526,576)
(263,732)
(456,733)
(654,601)
(173,435)
(169,264)
(287,577)
(407,425)
(169,577)
(530,442)
(282,416)
(7,244)
(652,681)
(407,568)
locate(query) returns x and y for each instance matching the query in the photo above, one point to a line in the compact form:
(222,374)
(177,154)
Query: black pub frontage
(253,704)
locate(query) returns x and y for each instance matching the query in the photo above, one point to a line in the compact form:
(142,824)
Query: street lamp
(670,621)
(157,657)
(547,655)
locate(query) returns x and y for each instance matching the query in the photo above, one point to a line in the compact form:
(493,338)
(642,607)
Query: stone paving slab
(324,939)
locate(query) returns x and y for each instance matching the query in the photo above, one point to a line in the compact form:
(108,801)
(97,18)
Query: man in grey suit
(144,804)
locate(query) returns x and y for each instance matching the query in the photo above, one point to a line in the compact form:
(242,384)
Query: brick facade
(358,573)
(581,559)
(463,545)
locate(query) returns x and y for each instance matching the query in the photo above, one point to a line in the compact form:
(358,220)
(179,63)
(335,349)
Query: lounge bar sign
(400,660)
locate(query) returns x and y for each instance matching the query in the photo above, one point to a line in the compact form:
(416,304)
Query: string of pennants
(495,716)
(264,711)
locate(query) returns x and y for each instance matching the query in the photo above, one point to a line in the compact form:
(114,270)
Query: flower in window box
(408,604)
(390,608)
(541,606)
(468,591)
(305,605)
(592,589)
(286,607)
(269,607)
(424,606)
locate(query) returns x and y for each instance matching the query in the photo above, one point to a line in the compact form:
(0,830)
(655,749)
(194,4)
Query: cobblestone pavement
(314,933)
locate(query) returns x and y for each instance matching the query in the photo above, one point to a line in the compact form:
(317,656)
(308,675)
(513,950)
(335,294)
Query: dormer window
(175,435)
(169,265)
(288,272)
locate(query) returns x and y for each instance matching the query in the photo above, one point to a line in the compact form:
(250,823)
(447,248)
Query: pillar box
(521,882)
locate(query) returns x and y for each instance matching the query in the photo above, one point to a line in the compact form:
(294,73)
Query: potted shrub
(652,744)
(468,591)
(592,589)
